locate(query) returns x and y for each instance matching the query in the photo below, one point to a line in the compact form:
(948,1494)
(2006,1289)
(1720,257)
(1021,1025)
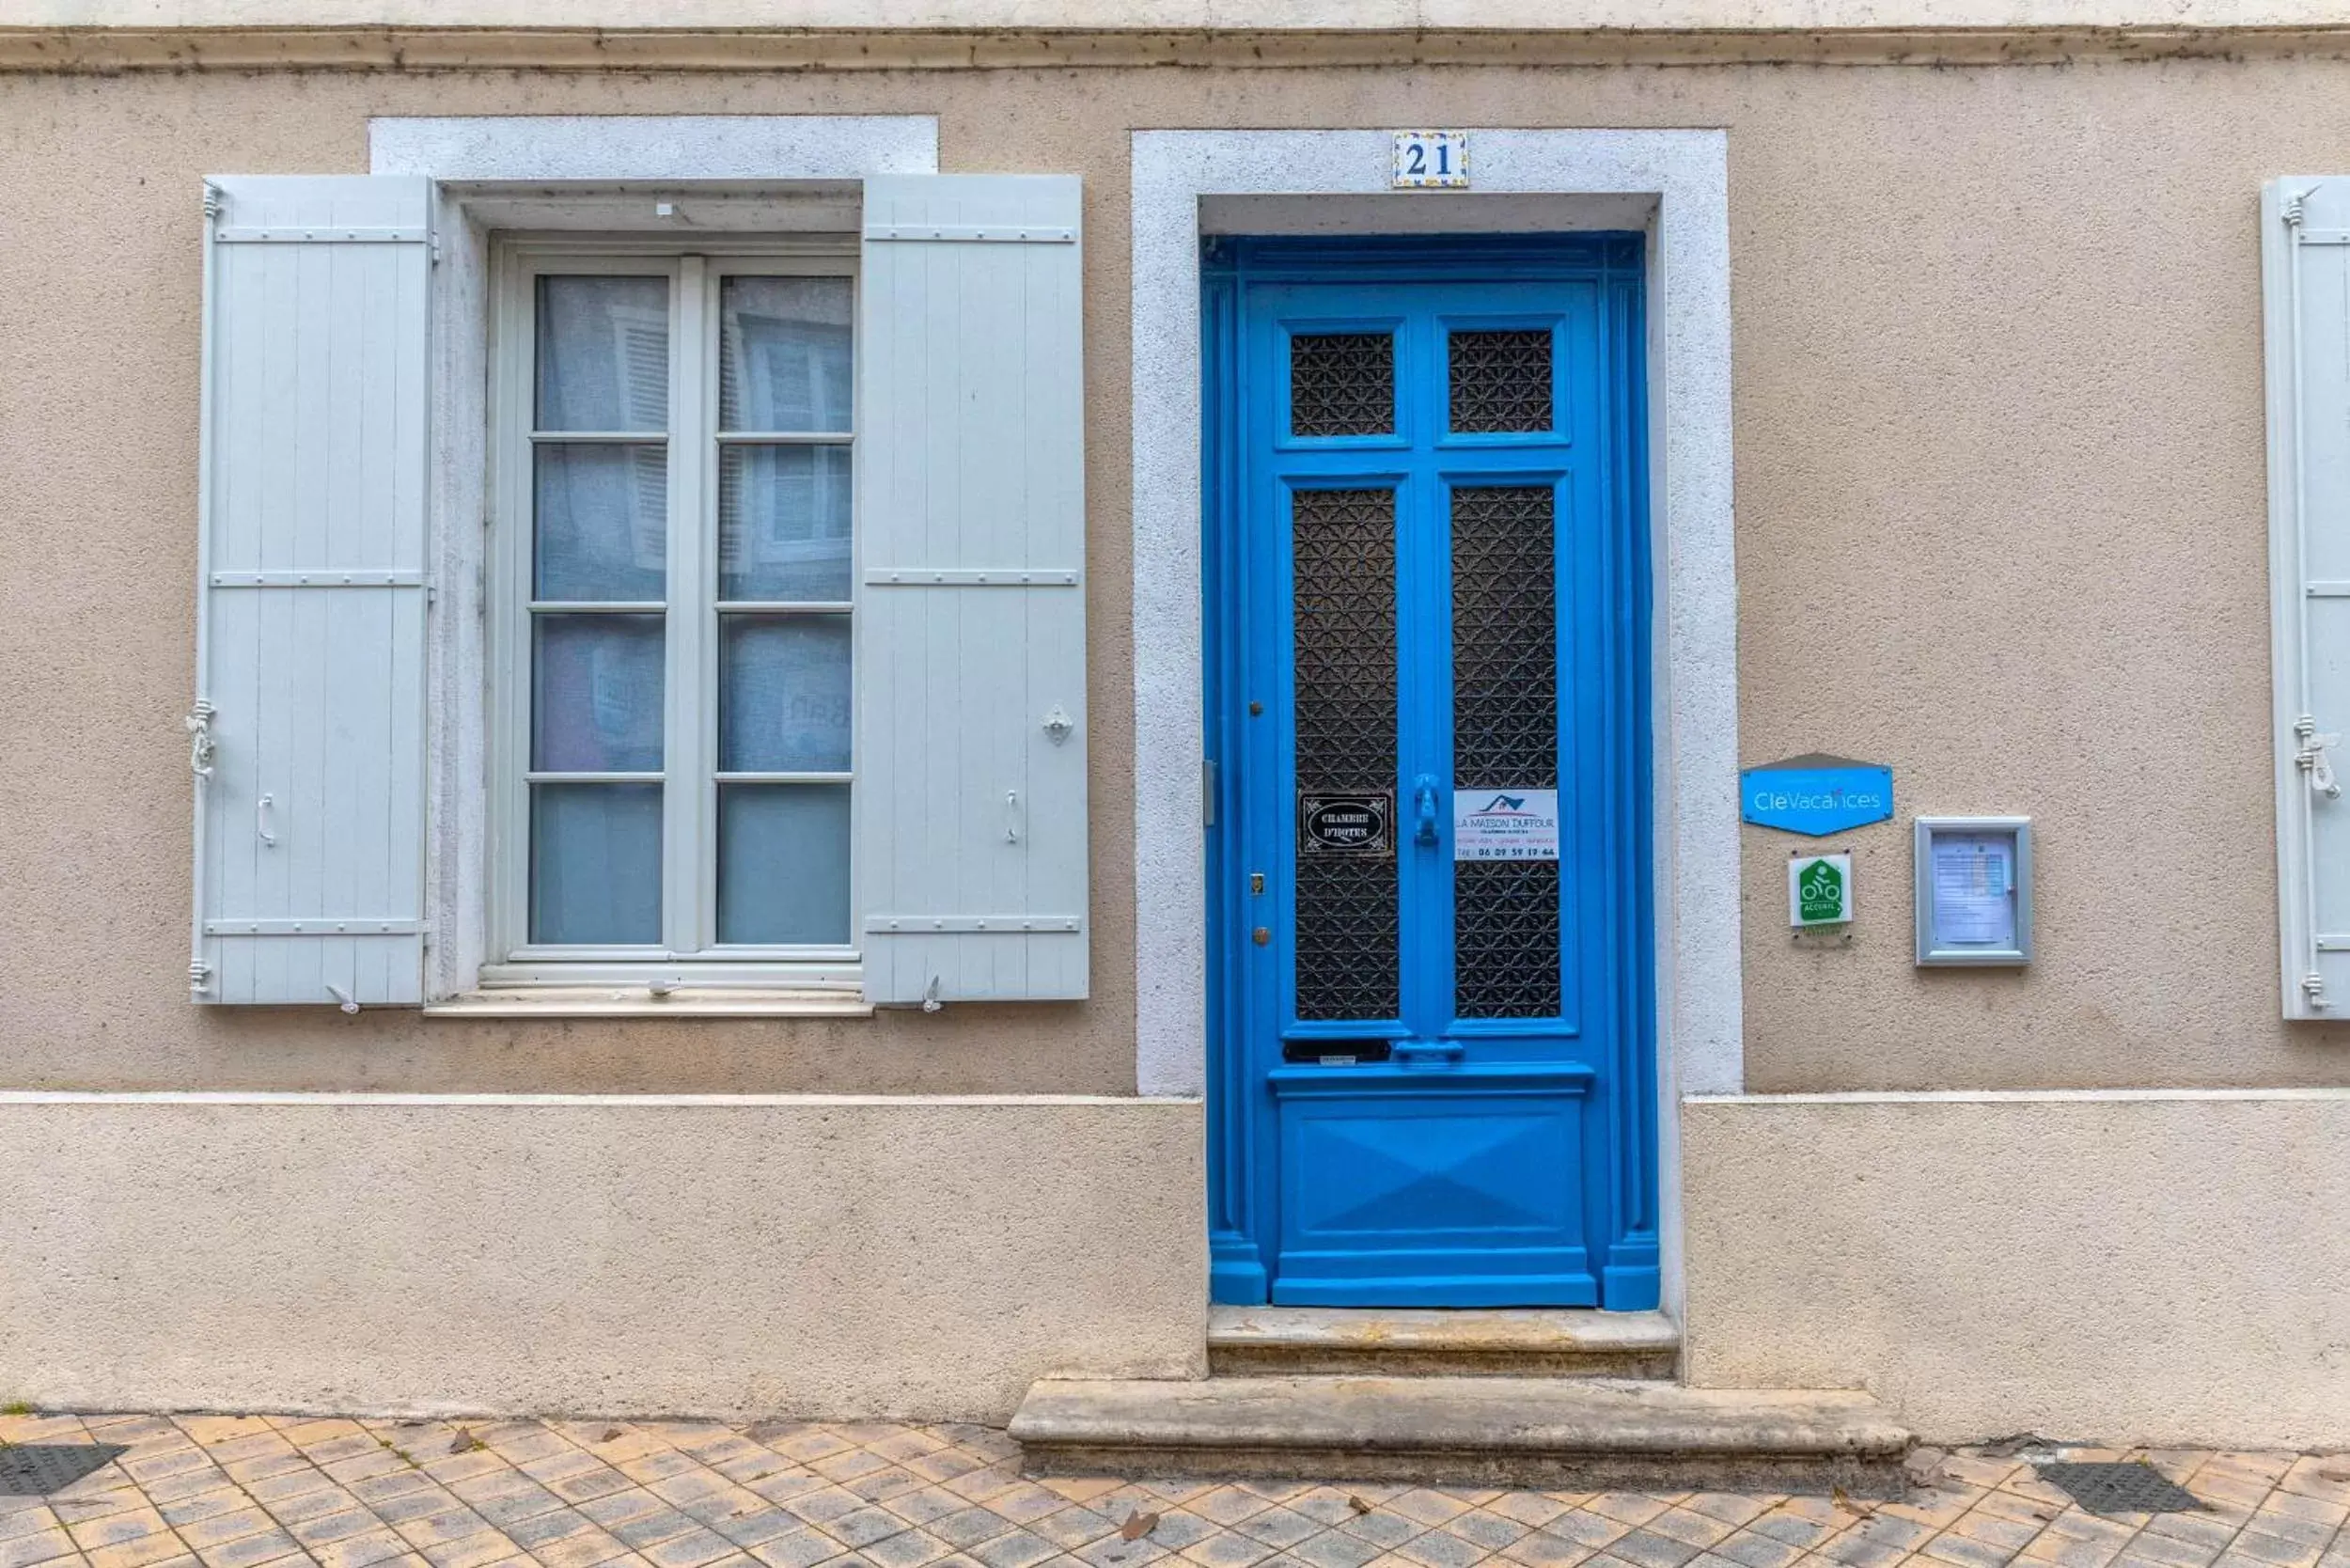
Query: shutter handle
(263,823)
(1012,816)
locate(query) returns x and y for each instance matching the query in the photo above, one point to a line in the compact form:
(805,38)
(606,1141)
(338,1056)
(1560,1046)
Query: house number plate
(1345,824)
(1431,159)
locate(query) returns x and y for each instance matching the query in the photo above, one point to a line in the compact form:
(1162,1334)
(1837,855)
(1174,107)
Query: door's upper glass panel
(1500,381)
(604,355)
(783,353)
(1342,384)
(1343,646)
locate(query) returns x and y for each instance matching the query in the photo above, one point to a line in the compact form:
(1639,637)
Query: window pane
(783,694)
(602,523)
(596,693)
(604,354)
(783,863)
(783,353)
(783,522)
(595,863)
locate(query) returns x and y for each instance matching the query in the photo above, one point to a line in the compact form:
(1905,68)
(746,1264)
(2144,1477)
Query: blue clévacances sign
(1816,796)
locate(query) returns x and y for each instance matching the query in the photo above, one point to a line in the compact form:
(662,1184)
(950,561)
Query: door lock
(1263,936)
(1256,884)
(1424,803)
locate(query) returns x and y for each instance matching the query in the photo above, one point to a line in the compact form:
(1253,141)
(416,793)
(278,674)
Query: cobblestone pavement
(240,1491)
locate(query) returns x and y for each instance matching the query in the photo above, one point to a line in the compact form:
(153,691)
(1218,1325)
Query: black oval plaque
(1344,824)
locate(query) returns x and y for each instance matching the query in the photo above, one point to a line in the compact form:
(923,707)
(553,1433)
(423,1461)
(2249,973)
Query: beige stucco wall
(1999,437)
(2159,1271)
(920,1258)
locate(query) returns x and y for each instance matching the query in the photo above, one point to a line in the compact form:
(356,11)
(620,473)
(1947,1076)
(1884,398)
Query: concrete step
(1540,1432)
(1389,1341)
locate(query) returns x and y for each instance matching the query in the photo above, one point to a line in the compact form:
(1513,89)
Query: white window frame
(696,267)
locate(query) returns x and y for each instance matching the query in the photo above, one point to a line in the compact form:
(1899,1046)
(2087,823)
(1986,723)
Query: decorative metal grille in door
(1505,736)
(1343,577)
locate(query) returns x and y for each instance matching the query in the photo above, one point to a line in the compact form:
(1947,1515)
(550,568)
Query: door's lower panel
(1456,1186)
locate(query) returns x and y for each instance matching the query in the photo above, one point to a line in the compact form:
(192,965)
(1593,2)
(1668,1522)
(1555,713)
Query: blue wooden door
(1428,718)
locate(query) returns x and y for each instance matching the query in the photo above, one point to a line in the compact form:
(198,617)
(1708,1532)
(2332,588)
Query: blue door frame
(1406,1156)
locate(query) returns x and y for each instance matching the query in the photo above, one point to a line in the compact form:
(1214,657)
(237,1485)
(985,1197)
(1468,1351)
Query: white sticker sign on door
(1505,824)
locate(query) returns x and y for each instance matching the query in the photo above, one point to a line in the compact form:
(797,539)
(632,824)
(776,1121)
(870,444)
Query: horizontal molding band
(966,925)
(324,925)
(2016,1096)
(361,1101)
(409,49)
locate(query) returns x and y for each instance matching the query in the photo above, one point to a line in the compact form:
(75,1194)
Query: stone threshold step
(1552,1342)
(1589,1433)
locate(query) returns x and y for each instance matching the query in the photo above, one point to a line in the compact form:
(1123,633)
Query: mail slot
(1337,1053)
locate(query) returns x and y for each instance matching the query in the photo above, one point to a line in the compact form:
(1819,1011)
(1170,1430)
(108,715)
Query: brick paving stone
(1381,1528)
(1645,1548)
(252,1550)
(1542,1549)
(1017,1548)
(1626,1508)
(1754,1549)
(803,1548)
(45,1545)
(1223,1548)
(696,1549)
(1229,1505)
(1593,1529)
(26,1516)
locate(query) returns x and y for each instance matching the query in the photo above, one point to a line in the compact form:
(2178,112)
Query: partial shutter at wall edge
(970,806)
(309,729)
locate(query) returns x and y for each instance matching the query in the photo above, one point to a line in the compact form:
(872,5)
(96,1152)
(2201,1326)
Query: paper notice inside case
(1505,824)
(1974,874)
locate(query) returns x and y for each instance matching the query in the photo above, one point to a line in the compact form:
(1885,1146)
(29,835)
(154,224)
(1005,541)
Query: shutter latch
(2313,987)
(200,726)
(2311,758)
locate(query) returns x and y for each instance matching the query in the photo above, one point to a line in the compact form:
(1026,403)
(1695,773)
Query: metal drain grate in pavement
(2134,1487)
(37,1469)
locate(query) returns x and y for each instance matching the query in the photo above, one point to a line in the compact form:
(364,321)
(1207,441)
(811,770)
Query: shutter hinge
(2313,987)
(211,200)
(2310,759)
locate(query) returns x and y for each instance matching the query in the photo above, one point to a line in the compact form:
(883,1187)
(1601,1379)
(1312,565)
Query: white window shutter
(310,625)
(970,807)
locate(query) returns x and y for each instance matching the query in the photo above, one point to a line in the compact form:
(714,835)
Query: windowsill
(637,1001)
